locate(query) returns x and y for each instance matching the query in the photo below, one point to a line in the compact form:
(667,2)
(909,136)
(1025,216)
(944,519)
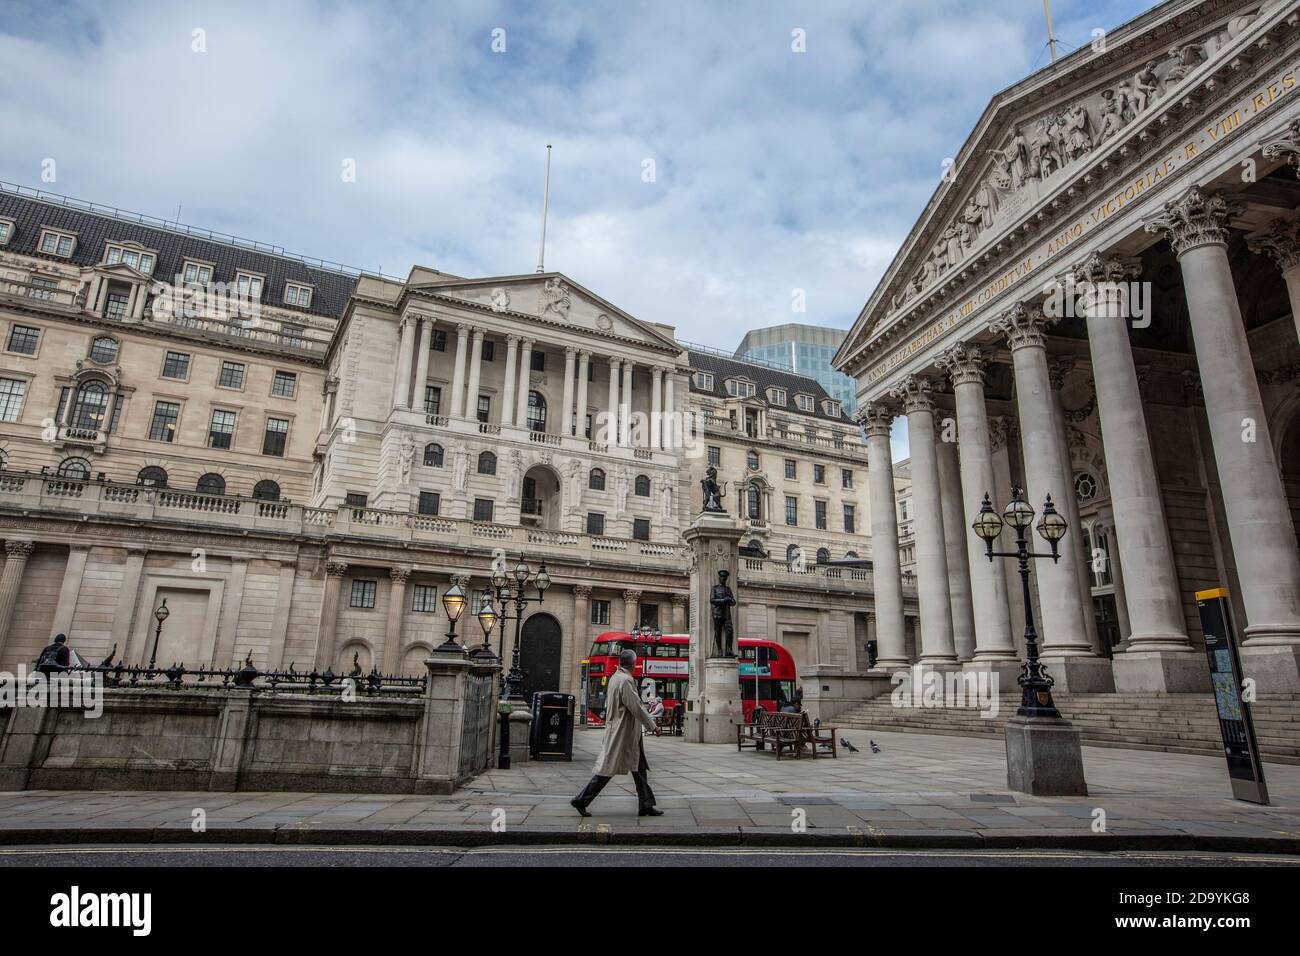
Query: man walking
(622,751)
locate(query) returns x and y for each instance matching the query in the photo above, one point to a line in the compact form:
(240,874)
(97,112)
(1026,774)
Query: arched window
(1085,486)
(92,399)
(851,554)
(211,484)
(642,489)
(823,555)
(103,349)
(487,463)
(152,477)
(751,459)
(793,555)
(77,469)
(753,502)
(596,480)
(266,490)
(536,412)
(433,455)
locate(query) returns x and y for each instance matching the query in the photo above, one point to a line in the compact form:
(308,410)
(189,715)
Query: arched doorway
(539,654)
(539,498)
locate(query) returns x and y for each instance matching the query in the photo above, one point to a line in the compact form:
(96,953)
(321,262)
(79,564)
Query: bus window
(747,653)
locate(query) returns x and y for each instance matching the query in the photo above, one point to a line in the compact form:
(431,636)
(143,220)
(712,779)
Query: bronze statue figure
(712,493)
(722,600)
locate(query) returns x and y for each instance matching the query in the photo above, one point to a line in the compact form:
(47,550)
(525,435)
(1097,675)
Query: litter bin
(552,734)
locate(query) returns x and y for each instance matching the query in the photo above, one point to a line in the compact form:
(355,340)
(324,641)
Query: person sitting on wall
(55,657)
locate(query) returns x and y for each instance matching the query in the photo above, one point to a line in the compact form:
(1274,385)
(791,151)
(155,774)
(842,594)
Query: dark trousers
(645,797)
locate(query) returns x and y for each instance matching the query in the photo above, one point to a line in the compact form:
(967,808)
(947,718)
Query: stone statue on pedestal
(721,599)
(712,492)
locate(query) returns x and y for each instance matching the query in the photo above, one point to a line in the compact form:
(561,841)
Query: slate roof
(94,228)
(764,377)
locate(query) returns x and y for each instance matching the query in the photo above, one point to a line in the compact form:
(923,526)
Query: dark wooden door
(539,654)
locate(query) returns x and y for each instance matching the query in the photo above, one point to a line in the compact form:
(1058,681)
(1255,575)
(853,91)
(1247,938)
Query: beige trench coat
(624,718)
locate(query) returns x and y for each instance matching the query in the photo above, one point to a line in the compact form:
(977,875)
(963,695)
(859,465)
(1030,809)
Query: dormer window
(704,381)
(249,286)
(299,295)
(54,243)
(197,273)
(139,260)
(776,396)
(739,388)
(6,231)
(805,403)
(832,409)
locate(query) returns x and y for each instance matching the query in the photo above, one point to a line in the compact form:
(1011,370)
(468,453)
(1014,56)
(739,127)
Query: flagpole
(1051,37)
(546,201)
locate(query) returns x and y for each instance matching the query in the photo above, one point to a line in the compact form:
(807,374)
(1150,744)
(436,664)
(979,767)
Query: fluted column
(1155,606)
(612,431)
(670,431)
(422,360)
(931,553)
(993,637)
(570,363)
(631,601)
(625,430)
(954,542)
(576,639)
(458,376)
(402,374)
(327,626)
(17,551)
(887,579)
(1047,472)
(584,367)
(1259,520)
(1282,244)
(393,624)
(525,379)
(1005,447)
(680,603)
(656,403)
(508,397)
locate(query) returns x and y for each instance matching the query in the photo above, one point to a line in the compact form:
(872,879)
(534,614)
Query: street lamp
(487,619)
(1035,682)
(453,602)
(161,614)
(515,592)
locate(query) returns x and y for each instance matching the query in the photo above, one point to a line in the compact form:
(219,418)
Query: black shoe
(579,807)
(649,812)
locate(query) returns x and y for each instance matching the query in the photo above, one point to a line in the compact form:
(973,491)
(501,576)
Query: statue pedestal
(713,696)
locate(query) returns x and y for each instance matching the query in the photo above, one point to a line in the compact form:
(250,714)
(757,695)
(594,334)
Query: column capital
(614,361)
(1285,145)
(526,341)
(964,364)
(19,548)
(1105,267)
(399,575)
(463,580)
(584,355)
(463,329)
(632,596)
(877,417)
(512,340)
(582,591)
(336,569)
(410,317)
(915,393)
(680,600)
(570,353)
(1281,242)
(1024,327)
(1194,219)
(478,335)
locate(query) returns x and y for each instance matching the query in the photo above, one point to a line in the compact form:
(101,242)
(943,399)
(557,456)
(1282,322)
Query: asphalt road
(243,856)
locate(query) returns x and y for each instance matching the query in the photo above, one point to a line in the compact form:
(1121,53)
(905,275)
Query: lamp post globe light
(453,603)
(1035,682)
(487,619)
(161,615)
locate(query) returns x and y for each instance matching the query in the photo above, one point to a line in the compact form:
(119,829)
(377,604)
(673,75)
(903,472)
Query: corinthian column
(1259,521)
(1066,647)
(422,360)
(475,376)
(17,552)
(887,581)
(393,623)
(525,380)
(458,376)
(327,627)
(1159,655)
(993,638)
(1282,243)
(508,398)
(931,553)
(611,431)
(566,416)
(584,366)
(402,374)
(954,542)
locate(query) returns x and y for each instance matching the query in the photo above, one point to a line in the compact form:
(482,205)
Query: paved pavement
(919,791)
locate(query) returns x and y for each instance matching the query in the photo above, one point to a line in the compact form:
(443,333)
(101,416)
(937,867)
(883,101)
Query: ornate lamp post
(513,589)
(487,619)
(161,614)
(453,602)
(1035,682)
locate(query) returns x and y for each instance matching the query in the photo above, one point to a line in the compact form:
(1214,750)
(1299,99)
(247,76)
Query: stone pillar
(458,375)
(631,601)
(525,380)
(512,373)
(424,346)
(576,640)
(1259,520)
(1282,243)
(713,704)
(669,435)
(390,655)
(73,573)
(1065,646)
(887,580)
(1159,655)
(995,647)
(475,376)
(328,625)
(17,551)
(955,531)
(283,605)
(1006,442)
(580,421)
(656,403)
(232,607)
(566,417)
(931,553)
(612,431)
(680,603)
(128,593)
(402,374)
(625,429)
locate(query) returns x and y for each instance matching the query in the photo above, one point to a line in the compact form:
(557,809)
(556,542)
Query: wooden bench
(754,733)
(667,722)
(787,734)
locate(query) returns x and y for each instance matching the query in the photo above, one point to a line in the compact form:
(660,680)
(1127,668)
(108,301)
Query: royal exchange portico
(1102,305)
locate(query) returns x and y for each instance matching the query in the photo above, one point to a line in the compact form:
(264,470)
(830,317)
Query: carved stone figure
(952,245)
(460,470)
(406,455)
(500,299)
(556,301)
(666,500)
(712,493)
(1080,132)
(1185,59)
(621,483)
(1111,121)
(722,600)
(1146,88)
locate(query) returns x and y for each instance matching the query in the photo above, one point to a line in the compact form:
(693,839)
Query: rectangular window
(595,523)
(196,274)
(165,417)
(791,469)
(641,529)
(777,396)
(23,339)
(489,350)
(539,361)
(740,389)
(12,393)
(293,335)
(6,230)
(483,509)
(848,519)
(176,365)
(704,381)
(299,295)
(222,429)
(648,615)
(430,502)
(432,400)
(43,288)
(57,243)
(141,262)
(284,384)
(819,474)
(232,375)
(115,306)
(715,456)
(805,402)
(819,515)
(587,430)
(249,286)
(424,599)
(791,510)
(363,594)
(485,408)
(118,400)
(355,499)
(846,478)
(64,394)
(439,341)
(277,434)
(600,612)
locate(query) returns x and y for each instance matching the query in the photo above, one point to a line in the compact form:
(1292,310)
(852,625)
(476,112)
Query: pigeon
(874,748)
(844,742)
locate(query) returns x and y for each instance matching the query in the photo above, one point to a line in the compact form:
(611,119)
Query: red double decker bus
(767,675)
